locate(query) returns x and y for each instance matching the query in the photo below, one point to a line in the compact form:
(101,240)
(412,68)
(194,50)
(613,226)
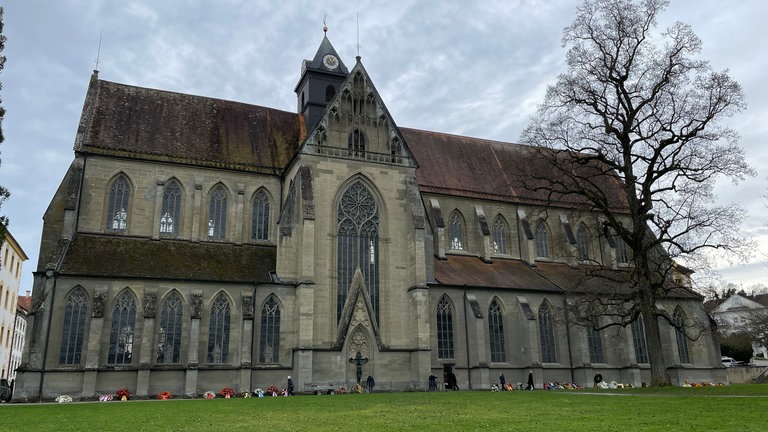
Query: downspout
(466,338)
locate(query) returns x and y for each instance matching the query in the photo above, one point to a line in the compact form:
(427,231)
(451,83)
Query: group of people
(504,386)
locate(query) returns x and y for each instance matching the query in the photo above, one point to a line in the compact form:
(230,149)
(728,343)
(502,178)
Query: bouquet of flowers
(227,392)
(105,398)
(209,395)
(164,395)
(63,399)
(123,393)
(259,392)
(272,390)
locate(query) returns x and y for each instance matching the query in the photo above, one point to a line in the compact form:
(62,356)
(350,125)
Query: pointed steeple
(320,81)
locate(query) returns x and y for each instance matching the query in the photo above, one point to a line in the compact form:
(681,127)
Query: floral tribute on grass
(259,392)
(273,390)
(105,398)
(209,395)
(245,394)
(164,395)
(227,392)
(123,393)
(64,399)
(701,384)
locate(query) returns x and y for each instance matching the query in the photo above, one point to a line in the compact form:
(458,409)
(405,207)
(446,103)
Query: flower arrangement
(227,392)
(209,395)
(245,394)
(105,398)
(272,390)
(123,393)
(164,395)
(259,392)
(63,399)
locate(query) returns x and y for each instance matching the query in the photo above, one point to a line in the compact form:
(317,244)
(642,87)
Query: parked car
(730,361)
(5,390)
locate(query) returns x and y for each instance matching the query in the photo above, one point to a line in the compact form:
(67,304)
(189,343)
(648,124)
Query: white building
(12,258)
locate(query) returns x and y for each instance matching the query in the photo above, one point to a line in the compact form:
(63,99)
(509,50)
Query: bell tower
(320,80)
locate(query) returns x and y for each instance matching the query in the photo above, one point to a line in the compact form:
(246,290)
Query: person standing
(502,381)
(432,382)
(530,381)
(290,386)
(369,382)
(452,384)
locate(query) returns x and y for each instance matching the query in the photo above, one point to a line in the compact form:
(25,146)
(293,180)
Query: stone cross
(359,361)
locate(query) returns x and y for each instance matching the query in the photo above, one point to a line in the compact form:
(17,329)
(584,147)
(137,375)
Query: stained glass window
(638,340)
(169,337)
(123,326)
(444,329)
(496,331)
(171,211)
(260,219)
(73,329)
(582,242)
(217,213)
(499,235)
(456,231)
(218,330)
(682,341)
(358,243)
(117,211)
(269,346)
(542,240)
(546,335)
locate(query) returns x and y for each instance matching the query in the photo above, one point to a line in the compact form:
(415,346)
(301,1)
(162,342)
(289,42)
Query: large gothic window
(117,209)
(546,335)
(638,340)
(582,243)
(682,340)
(456,231)
(169,337)
(356,143)
(123,327)
(171,211)
(499,235)
(444,329)
(73,329)
(542,240)
(622,251)
(217,213)
(269,345)
(496,331)
(218,330)
(595,345)
(358,243)
(260,218)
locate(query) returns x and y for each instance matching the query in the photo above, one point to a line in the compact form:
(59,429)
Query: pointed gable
(357,125)
(325,49)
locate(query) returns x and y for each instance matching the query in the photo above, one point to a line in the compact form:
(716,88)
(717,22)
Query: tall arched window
(169,337)
(269,346)
(123,326)
(542,240)
(217,213)
(638,340)
(682,340)
(546,335)
(73,328)
(218,330)
(444,329)
(358,243)
(356,143)
(260,218)
(499,235)
(117,209)
(622,251)
(171,212)
(496,331)
(582,242)
(595,345)
(330,92)
(456,231)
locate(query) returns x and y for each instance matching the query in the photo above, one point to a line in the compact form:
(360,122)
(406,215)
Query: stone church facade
(197,243)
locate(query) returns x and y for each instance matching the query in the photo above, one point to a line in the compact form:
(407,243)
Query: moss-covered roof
(115,256)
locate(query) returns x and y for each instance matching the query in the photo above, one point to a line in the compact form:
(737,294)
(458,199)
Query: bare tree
(634,131)
(4,194)
(756,326)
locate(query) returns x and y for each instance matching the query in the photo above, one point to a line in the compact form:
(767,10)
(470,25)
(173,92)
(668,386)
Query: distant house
(733,313)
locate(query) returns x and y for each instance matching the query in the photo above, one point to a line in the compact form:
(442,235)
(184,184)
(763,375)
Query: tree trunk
(659,376)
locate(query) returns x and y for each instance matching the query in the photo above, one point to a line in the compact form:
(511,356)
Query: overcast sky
(469,68)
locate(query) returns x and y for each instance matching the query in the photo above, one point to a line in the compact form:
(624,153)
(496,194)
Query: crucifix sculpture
(358,361)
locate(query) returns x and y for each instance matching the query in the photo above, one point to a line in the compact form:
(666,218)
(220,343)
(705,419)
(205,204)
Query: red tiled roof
(457,270)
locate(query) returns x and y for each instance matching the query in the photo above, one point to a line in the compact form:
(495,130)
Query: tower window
(330,92)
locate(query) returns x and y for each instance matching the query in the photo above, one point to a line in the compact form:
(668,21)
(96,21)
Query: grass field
(735,407)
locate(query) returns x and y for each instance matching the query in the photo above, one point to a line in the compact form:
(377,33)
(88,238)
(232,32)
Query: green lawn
(736,407)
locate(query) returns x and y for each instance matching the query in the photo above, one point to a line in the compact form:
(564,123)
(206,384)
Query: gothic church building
(197,243)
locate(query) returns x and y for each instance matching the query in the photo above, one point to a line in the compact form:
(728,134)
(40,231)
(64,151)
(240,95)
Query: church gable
(357,125)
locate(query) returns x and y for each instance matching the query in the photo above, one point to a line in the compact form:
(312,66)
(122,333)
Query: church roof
(486,169)
(458,270)
(128,121)
(168,259)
